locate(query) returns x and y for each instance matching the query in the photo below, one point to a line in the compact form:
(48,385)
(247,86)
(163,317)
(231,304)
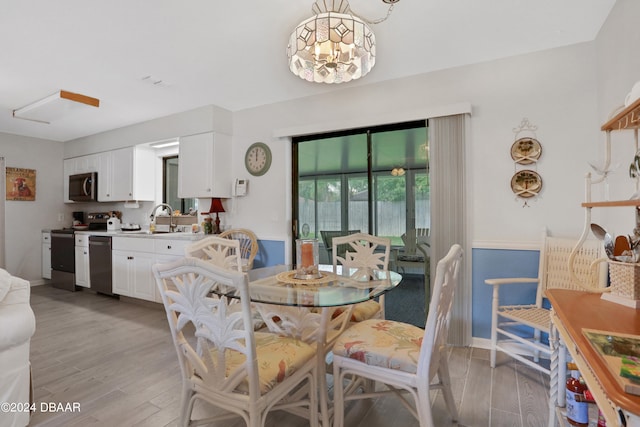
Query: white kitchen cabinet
(132,274)
(82,260)
(46,255)
(165,246)
(126,174)
(204,166)
(120,274)
(132,259)
(76,165)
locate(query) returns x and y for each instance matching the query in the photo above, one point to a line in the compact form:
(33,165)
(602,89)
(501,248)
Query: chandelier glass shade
(332,47)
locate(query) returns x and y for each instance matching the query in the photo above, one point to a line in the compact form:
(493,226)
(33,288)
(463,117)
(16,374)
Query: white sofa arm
(15,312)
(17,326)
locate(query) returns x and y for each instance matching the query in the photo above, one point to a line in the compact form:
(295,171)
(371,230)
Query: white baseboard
(38,282)
(485,343)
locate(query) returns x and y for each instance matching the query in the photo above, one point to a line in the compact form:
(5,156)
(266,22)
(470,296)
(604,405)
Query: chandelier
(334,45)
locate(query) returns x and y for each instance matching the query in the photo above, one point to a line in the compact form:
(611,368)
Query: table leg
(557,374)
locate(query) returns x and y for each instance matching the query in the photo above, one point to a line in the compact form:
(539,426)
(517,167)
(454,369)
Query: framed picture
(21,184)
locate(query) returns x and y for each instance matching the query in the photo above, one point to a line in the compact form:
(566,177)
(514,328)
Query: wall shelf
(611,203)
(629,118)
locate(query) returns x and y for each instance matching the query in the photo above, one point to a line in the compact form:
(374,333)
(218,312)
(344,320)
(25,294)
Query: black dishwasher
(100,264)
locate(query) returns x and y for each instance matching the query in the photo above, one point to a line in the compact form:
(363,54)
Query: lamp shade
(216,206)
(331,47)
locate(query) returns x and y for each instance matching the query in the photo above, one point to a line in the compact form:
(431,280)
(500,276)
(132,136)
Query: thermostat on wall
(240,188)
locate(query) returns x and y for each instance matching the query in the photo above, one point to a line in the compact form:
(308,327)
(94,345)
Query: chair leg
(423,407)
(338,397)
(186,406)
(536,353)
(445,380)
(494,326)
(323,391)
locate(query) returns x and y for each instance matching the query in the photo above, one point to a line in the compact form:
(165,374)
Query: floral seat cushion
(383,343)
(365,310)
(361,311)
(278,358)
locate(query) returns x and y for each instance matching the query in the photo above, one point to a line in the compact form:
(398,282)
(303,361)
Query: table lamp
(216,207)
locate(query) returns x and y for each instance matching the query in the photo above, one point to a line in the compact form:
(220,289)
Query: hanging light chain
(343,6)
(377,21)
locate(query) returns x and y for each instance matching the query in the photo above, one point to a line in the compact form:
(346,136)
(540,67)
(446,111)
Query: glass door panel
(307,209)
(358,212)
(329,204)
(390,207)
(422,200)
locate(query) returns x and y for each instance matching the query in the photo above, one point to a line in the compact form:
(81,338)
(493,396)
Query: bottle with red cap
(577,406)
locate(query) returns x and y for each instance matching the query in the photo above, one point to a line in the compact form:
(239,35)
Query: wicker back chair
(522,324)
(248,245)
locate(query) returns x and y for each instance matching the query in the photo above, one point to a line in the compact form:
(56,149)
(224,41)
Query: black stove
(63,231)
(63,259)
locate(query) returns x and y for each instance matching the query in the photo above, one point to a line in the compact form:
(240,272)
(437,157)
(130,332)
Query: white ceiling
(233,53)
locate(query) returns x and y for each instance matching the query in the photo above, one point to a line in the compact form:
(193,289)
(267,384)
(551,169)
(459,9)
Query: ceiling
(233,54)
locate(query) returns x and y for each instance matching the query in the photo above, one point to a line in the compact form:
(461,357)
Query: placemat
(288,277)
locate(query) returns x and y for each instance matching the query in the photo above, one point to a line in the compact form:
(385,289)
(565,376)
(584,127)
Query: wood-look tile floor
(116,359)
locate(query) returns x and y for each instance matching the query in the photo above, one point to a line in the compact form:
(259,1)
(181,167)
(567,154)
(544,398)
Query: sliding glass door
(374,180)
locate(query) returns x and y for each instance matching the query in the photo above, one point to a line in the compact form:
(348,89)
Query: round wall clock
(257,160)
(526,183)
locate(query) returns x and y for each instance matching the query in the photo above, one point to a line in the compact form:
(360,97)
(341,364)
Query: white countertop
(144,234)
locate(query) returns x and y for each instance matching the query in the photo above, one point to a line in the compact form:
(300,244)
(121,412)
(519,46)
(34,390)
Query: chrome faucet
(172,226)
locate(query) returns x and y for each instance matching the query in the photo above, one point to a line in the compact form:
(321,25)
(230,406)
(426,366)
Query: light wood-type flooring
(116,359)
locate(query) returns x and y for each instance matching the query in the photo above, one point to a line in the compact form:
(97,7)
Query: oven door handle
(62,235)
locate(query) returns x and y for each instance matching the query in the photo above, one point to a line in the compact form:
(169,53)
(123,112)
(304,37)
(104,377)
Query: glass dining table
(317,310)
(277,285)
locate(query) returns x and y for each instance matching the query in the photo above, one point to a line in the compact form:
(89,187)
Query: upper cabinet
(123,174)
(204,166)
(126,174)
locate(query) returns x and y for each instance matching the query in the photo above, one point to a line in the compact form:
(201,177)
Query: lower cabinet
(132,274)
(132,259)
(82,260)
(46,255)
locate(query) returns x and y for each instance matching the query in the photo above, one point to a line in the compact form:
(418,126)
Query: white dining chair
(363,252)
(222,360)
(404,358)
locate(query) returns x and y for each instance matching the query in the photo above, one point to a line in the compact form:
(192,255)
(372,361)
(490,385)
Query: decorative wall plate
(526,183)
(526,151)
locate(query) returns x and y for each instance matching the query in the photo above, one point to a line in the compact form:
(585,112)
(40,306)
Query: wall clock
(257,160)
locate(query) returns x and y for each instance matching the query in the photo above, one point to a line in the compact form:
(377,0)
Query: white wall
(618,69)
(554,89)
(24,220)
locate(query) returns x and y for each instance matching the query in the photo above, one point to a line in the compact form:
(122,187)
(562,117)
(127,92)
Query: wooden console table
(573,311)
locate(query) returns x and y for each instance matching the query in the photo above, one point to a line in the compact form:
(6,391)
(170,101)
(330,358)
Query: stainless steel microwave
(83,187)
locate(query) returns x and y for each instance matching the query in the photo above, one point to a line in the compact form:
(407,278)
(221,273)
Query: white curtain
(3,190)
(449,212)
